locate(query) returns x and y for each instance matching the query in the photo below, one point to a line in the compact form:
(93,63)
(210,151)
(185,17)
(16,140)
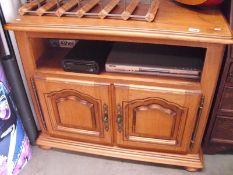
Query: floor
(57,162)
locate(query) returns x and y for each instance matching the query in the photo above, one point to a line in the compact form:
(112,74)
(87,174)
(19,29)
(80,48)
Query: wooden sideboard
(219,133)
(139,117)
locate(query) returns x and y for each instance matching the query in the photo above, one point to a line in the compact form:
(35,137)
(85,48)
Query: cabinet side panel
(209,78)
(29,66)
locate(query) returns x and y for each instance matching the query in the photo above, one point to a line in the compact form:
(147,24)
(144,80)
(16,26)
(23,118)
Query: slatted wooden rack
(118,9)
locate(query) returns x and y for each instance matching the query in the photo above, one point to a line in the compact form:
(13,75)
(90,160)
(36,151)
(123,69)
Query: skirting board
(188,161)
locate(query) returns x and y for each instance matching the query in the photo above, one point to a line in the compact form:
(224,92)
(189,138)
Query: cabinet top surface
(173,21)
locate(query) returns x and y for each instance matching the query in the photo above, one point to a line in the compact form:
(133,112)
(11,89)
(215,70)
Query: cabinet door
(155,118)
(74,109)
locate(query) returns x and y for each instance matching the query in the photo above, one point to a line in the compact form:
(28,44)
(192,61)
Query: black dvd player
(87,57)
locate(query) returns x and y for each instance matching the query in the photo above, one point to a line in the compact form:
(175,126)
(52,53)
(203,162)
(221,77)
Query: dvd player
(87,57)
(152,59)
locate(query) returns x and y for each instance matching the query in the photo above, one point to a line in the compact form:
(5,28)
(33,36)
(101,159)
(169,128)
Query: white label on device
(63,43)
(195,30)
(67,43)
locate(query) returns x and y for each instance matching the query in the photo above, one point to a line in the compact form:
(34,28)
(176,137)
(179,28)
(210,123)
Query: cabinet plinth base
(45,147)
(189,161)
(191,169)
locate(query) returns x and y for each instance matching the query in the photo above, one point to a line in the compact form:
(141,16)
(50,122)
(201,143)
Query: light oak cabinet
(74,109)
(148,118)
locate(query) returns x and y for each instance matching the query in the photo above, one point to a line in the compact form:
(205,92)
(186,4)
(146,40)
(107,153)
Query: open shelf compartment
(49,59)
